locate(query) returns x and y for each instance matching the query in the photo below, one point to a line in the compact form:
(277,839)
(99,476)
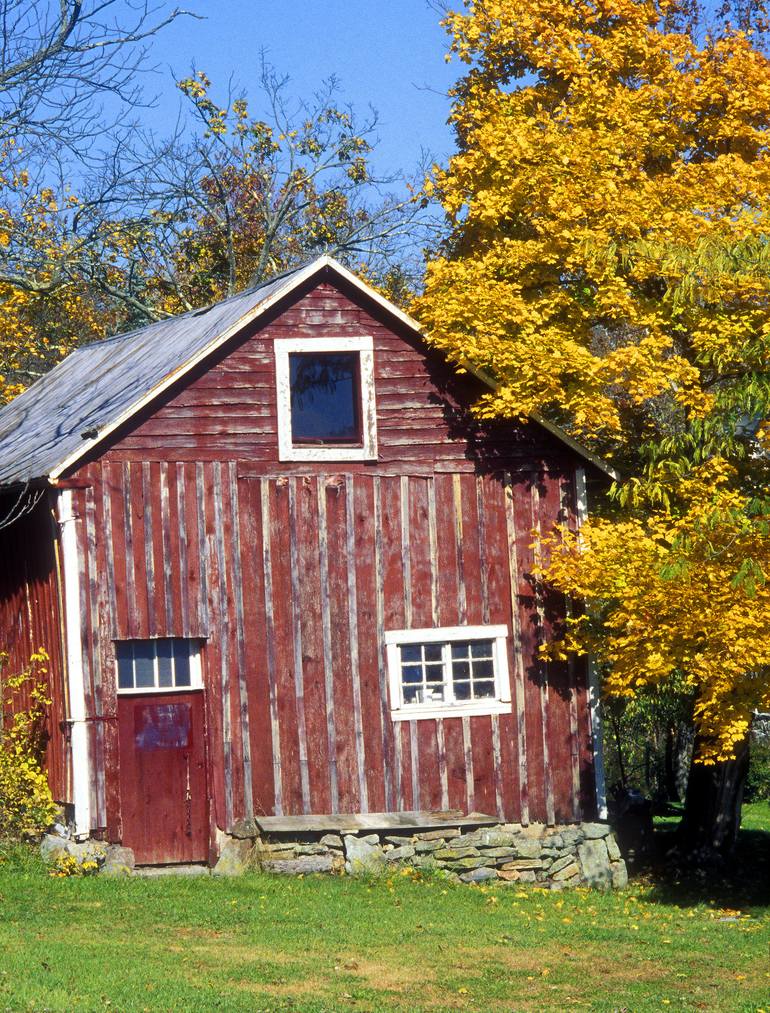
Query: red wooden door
(164,802)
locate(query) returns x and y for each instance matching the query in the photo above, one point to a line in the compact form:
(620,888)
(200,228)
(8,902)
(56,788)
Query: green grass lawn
(323,944)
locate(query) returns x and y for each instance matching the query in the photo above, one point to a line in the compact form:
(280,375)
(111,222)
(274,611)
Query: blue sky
(389,54)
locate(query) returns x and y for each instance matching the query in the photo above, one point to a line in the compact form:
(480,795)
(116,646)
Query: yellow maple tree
(607,265)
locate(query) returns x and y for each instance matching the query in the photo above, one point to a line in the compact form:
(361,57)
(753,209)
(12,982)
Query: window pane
(433,652)
(411,673)
(481,649)
(325,397)
(434,673)
(461,670)
(460,650)
(483,689)
(483,670)
(412,694)
(435,691)
(164,663)
(462,690)
(411,652)
(125,658)
(144,664)
(181,650)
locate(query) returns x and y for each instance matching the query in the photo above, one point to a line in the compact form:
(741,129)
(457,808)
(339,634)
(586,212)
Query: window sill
(158,690)
(426,712)
(327,453)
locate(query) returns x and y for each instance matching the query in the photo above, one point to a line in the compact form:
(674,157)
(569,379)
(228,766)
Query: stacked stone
(583,854)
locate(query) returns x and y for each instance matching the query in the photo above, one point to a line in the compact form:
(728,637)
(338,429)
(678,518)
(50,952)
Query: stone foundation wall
(576,855)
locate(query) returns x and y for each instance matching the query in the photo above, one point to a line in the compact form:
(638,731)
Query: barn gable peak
(98,388)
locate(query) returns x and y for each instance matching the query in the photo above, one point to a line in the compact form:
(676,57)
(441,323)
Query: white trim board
(293,281)
(76,716)
(499,704)
(287,450)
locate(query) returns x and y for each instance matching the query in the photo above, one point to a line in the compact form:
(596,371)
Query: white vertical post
(74,652)
(594,703)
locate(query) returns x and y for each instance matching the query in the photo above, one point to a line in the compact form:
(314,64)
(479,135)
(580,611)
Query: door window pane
(165,670)
(144,664)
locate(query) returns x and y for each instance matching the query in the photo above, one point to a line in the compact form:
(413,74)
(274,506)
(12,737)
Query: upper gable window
(326,408)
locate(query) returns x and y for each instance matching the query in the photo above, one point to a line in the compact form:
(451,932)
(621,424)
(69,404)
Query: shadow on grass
(741,882)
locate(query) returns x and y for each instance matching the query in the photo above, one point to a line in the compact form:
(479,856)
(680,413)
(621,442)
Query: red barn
(281,570)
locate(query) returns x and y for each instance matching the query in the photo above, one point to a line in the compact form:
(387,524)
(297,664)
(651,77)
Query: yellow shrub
(26,804)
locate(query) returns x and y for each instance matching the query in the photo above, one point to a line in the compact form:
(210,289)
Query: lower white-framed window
(454,670)
(159,665)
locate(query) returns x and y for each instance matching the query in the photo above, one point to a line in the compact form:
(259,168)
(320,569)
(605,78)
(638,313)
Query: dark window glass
(483,689)
(412,673)
(125,657)
(325,397)
(165,677)
(181,662)
(144,664)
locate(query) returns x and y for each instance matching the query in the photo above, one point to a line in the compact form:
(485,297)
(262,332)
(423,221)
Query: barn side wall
(30,619)
(289,574)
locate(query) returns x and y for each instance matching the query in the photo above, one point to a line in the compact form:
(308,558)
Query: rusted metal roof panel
(96,384)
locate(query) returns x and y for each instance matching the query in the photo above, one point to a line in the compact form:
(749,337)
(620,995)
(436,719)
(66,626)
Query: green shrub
(757,787)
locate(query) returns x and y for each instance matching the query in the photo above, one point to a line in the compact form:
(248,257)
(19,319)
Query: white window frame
(287,450)
(194,658)
(447,635)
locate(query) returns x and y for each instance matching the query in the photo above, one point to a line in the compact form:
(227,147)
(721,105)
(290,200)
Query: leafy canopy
(607,265)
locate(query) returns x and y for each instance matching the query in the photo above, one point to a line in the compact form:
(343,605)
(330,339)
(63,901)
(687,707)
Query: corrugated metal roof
(97,384)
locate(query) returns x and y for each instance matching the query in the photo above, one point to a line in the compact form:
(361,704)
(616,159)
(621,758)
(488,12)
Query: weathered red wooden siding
(291,573)
(30,619)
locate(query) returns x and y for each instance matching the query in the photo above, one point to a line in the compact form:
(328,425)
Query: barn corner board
(283,573)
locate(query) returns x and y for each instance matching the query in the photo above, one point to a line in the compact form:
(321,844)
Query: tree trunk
(712,811)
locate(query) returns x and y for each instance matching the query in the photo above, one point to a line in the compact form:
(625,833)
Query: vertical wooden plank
(255,647)
(436,622)
(107,487)
(355,664)
(267,563)
(390,768)
(482,745)
(79,507)
(541,666)
(345,719)
(406,559)
(455,758)
(484,559)
(309,569)
(394,612)
(518,658)
(149,561)
(200,513)
(109,626)
(426,772)
(470,784)
(240,636)
(132,626)
(498,581)
(297,646)
(323,551)
(498,766)
(284,646)
(185,622)
(462,602)
(230,570)
(89,620)
(445,567)
(166,552)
